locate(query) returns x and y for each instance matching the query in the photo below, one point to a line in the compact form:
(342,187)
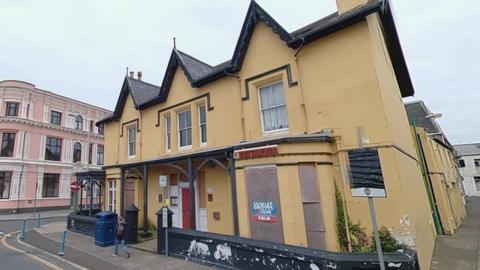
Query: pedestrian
(120,237)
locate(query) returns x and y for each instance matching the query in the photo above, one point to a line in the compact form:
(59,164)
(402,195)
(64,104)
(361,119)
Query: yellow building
(256,146)
(441,176)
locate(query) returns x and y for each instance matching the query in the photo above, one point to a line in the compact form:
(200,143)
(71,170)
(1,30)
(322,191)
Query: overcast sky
(81,49)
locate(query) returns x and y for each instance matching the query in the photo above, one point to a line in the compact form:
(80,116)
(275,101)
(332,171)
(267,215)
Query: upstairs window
(273,108)
(12,109)
(90,153)
(5,180)
(77,152)
(50,185)
(53,149)
(476,162)
(168,133)
(91,125)
(56,118)
(101,129)
(8,144)
(100,150)
(132,141)
(79,122)
(185,129)
(461,163)
(202,120)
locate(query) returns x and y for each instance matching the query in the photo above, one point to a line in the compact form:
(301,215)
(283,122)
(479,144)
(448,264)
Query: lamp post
(425,171)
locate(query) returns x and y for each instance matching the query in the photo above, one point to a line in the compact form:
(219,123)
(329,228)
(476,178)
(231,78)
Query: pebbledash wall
(32,122)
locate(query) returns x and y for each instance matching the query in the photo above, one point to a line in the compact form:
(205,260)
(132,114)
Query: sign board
(264,211)
(366,173)
(74,186)
(164,217)
(257,152)
(162,180)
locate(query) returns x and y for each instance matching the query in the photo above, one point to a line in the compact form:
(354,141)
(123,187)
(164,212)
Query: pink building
(45,138)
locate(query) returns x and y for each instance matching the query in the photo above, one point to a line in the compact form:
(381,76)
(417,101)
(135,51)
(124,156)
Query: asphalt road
(10,259)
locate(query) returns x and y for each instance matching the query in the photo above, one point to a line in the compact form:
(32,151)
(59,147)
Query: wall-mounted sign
(257,152)
(366,173)
(162,180)
(265,211)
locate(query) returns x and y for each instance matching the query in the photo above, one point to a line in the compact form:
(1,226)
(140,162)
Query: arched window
(77,152)
(79,122)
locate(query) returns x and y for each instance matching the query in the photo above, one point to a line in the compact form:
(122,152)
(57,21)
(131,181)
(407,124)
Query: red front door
(186,208)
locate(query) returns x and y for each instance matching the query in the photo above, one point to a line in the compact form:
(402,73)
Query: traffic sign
(74,186)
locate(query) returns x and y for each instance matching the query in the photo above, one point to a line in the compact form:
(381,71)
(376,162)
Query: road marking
(4,242)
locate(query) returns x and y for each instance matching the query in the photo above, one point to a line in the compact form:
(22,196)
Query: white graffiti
(223,252)
(331,265)
(197,248)
(314,267)
(396,265)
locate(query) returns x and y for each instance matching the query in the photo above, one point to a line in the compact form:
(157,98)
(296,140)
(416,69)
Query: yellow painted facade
(445,181)
(345,83)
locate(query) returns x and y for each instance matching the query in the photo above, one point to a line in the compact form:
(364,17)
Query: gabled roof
(141,93)
(200,73)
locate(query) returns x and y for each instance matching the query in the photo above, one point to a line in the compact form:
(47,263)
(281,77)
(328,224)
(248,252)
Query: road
(13,260)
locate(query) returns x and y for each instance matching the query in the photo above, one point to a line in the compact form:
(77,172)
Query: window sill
(184,148)
(203,144)
(275,132)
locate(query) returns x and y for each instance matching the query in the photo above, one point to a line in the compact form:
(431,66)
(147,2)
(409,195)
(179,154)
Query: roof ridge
(151,84)
(194,58)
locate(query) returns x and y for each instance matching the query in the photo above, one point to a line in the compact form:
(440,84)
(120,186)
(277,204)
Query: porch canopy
(90,179)
(188,164)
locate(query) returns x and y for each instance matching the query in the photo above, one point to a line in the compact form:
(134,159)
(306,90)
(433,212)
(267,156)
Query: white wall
(468,172)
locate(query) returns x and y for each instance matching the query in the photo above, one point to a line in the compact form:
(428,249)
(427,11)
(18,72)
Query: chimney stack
(139,75)
(347,5)
(131,74)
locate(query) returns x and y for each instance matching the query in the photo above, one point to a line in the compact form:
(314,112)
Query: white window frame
(202,143)
(130,155)
(281,130)
(186,147)
(168,133)
(112,199)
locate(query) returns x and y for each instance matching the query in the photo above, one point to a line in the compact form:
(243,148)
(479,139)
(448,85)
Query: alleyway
(460,251)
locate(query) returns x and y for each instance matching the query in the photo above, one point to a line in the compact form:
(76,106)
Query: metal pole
(375,229)
(166,240)
(24,224)
(35,198)
(38,221)
(62,244)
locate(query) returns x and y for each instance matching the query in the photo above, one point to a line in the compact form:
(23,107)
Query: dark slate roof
(195,68)
(142,91)
(200,73)
(471,149)
(417,112)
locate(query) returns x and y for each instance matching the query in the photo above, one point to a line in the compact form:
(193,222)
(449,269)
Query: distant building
(437,159)
(45,138)
(468,156)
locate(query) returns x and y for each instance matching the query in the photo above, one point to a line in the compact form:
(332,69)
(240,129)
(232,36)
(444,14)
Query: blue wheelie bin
(105,224)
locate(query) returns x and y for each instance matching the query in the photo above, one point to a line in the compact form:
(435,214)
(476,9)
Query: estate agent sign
(264,211)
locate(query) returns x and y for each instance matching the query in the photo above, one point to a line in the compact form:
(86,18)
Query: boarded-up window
(264,204)
(312,209)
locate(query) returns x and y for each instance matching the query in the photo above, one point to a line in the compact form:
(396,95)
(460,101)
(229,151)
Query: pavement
(81,250)
(29,216)
(461,250)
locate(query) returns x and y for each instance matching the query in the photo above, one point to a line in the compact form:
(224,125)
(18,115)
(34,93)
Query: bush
(388,243)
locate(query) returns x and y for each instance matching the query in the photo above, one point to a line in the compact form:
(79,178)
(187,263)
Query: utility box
(131,217)
(105,224)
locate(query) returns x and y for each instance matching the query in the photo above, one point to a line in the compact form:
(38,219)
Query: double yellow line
(4,242)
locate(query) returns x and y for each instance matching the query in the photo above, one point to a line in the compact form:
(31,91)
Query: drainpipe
(427,180)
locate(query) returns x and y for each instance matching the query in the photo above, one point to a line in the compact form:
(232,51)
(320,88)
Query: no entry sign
(74,186)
